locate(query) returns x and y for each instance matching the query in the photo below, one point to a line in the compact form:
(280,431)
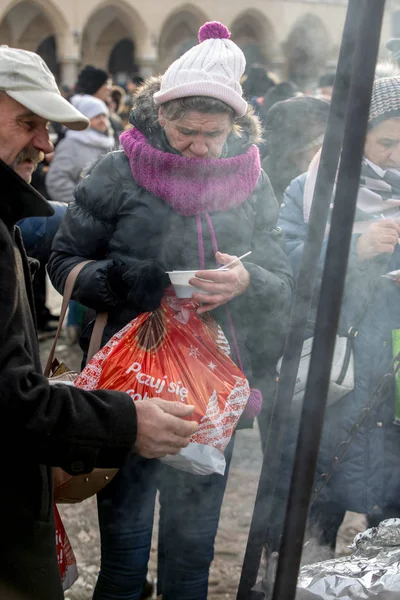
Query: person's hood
(20,199)
(144,116)
(92,137)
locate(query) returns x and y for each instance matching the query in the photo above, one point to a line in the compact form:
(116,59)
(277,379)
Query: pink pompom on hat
(213,68)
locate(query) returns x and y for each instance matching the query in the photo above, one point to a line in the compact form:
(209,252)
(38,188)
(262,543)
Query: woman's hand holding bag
(141,283)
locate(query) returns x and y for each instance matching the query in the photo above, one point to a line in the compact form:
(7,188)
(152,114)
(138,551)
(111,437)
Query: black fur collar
(19,199)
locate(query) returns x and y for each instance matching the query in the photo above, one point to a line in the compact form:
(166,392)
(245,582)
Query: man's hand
(161,429)
(221,286)
(380,238)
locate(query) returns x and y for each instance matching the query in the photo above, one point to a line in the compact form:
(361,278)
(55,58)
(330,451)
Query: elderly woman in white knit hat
(79,149)
(186,192)
(368,479)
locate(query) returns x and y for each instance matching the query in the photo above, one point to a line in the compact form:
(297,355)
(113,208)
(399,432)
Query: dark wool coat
(115,221)
(41,425)
(368,479)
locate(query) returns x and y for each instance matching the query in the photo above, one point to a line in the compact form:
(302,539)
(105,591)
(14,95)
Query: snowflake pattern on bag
(216,426)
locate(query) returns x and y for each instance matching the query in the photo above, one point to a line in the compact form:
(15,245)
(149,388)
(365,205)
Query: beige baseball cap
(26,78)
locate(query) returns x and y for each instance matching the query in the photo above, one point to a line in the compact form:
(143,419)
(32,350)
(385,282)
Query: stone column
(69,57)
(69,71)
(147,55)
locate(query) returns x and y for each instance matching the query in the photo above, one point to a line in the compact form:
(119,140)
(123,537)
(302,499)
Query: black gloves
(138,283)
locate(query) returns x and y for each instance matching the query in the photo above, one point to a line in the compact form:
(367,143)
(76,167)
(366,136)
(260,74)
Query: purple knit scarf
(191,186)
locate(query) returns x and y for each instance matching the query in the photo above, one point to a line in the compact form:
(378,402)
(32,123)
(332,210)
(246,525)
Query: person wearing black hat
(94,82)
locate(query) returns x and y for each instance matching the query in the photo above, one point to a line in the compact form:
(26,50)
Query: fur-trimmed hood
(144,115)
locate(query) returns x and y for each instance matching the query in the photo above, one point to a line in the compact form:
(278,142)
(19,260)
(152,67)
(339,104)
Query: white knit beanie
(212,68)
(89,106)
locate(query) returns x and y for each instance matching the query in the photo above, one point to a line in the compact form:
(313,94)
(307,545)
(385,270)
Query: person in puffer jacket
(186,192)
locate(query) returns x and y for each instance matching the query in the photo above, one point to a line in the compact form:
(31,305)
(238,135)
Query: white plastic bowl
(181,285)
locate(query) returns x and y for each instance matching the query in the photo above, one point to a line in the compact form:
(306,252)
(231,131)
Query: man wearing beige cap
(42,425)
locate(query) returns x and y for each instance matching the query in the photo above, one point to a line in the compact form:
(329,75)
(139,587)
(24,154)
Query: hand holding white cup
(220,286)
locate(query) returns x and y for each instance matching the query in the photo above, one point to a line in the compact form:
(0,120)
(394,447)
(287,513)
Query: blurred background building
(299,39)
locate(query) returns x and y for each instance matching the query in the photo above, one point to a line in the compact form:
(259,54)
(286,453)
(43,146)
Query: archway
(27,25)
(255,35)
(6,33)
(113,26)
(47,49)
(121,62)
(179,34)
(36,26)
(103,33)
(307,50)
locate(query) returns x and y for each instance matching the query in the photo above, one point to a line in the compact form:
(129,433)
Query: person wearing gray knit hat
(385,100)
(368,481)
(382,145)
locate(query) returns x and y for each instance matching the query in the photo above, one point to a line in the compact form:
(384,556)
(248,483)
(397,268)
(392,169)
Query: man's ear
(161,118)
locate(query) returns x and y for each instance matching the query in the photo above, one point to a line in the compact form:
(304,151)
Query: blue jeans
(190,507)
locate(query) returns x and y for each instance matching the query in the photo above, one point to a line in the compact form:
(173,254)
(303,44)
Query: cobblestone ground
(81,524)
(81,520)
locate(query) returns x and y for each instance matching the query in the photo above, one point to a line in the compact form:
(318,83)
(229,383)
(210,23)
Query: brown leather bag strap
(97,335)
(101,320)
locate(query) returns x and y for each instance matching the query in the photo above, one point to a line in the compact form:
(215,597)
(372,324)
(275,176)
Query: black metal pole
(262,530)
(330,301)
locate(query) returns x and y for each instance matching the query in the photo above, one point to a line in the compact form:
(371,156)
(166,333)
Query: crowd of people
(185,170)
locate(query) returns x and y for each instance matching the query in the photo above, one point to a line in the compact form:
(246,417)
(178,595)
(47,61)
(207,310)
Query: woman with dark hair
(295,132)
(187,186)
(279,93)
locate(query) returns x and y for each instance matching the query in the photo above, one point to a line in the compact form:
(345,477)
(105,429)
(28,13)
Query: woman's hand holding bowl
(220,286)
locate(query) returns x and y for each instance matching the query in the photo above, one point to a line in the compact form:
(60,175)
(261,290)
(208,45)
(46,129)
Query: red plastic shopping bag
(176,355)
(65,555)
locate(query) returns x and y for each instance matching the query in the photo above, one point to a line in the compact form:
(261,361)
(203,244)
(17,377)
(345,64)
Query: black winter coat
(117,222)
(41,425)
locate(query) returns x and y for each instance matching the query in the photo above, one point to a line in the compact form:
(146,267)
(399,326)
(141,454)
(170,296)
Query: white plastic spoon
(234,261)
